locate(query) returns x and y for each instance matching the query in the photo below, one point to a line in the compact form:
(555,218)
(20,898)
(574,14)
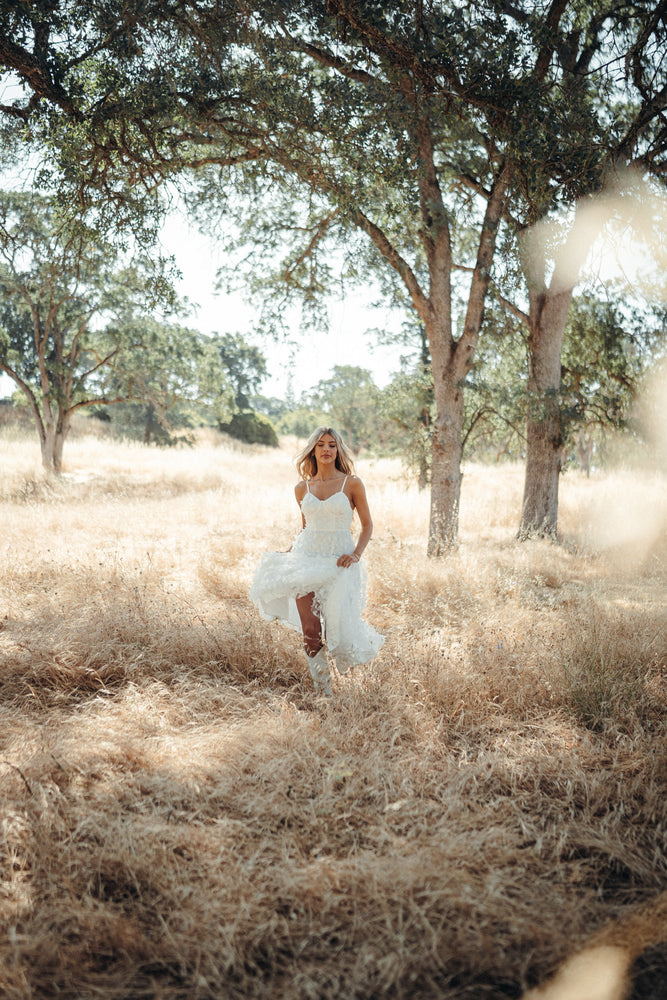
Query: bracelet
(355,557)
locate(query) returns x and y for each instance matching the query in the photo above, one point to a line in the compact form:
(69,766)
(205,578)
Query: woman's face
(326,451)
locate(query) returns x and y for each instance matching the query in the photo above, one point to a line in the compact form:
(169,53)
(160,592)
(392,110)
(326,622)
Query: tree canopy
(415,136)
(76,329)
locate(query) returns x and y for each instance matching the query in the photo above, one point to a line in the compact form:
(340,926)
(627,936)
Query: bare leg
(312,641)
(310,624)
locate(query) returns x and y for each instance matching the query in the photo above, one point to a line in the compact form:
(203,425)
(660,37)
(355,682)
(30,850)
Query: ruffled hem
(339,599)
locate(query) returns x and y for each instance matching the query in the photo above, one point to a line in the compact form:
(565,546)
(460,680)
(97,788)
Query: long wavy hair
(305,460)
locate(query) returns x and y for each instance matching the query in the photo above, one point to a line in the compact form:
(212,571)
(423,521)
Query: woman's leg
(311,625)
(312,641)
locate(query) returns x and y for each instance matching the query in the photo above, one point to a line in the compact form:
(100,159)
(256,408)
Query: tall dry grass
(182,819)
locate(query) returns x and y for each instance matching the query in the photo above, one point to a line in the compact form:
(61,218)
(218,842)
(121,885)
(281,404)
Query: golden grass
(182,819)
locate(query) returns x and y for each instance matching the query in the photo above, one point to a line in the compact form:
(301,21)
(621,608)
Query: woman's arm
(360,504)
(300,491)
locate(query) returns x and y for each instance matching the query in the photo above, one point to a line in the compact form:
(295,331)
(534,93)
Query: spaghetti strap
(343,486)
(311,567)
(307,486)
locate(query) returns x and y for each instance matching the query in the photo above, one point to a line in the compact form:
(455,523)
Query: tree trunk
(539,513)
(544,440)
(47,436)
(62,430)
(423,472)
(150,424)
(547,319)
(585,446)
(425,414)
(52,435)
(46,446)
(446,476)
(451,359)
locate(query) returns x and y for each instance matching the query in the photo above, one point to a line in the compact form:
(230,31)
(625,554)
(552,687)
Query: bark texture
(544,439)
(446,476)
(451,359)
(547,319)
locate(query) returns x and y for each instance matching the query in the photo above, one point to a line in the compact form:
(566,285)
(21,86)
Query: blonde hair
(305,461)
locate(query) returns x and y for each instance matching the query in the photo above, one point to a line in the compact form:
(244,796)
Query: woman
(319,585)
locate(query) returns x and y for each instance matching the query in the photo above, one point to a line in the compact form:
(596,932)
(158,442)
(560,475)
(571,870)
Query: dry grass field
(183,820)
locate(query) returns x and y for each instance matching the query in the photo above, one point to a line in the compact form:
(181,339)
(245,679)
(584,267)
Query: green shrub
(251,427)
(302,421)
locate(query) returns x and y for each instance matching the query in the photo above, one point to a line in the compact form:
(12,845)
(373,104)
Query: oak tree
(427,129)
(76,329)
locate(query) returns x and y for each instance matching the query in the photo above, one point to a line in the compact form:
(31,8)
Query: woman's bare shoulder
(355,490)
(300,490)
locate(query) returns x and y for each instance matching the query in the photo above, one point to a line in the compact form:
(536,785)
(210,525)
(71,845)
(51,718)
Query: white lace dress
(310,566)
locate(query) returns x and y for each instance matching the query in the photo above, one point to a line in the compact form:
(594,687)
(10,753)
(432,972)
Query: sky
(296,366)
(311,356)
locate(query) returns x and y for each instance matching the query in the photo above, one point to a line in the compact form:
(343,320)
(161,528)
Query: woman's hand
(347,560)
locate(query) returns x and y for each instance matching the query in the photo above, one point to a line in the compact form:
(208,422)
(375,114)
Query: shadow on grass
(92,641)
(177,825)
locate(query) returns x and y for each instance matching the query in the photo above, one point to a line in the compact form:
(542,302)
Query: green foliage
(173,370)
(244,366)
(348,142)
(270,406)
(177,382)
(407,403)
(253,428)
(608,348)
(495,398)
(301,421)
(296,91)
(75,330)
(350,401)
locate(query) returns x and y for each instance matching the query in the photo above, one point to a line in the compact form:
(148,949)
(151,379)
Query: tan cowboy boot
(319,671)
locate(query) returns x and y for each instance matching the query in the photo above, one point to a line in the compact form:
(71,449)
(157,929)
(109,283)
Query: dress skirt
(310,567)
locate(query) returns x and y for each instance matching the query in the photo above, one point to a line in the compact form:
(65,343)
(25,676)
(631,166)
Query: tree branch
(481,275)
(506,303)
(100,401)
(552,21)
(319,233)
(393,257)
(72,354)
(649,110)
(489,411)
(467,180)
(335,62)
(29,394)
(512,308)
(32,69)
(100,364)
(636,56)
(401,56)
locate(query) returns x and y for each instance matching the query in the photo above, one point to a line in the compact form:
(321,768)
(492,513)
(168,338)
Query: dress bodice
(311,567)
(332,514)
